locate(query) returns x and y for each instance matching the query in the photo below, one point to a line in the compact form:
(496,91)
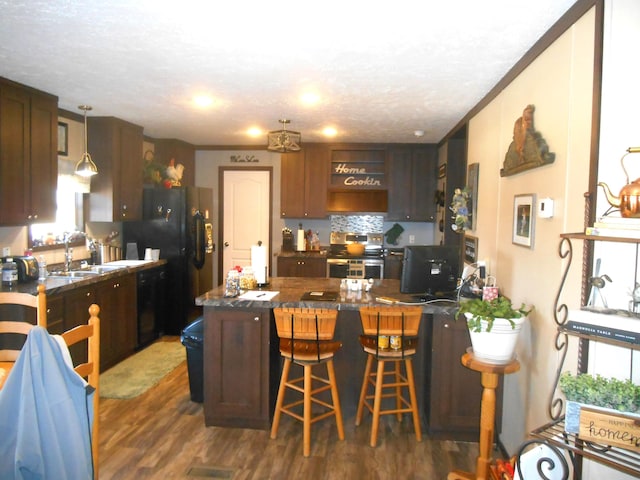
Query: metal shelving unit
(553,434)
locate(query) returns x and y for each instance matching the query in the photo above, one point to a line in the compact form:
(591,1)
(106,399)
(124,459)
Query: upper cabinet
(303,182)
(398,181)
(28,155)
(411,180)
(179,151)
(116,191)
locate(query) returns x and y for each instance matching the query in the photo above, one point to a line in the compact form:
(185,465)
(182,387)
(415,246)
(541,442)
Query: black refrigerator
(177,221)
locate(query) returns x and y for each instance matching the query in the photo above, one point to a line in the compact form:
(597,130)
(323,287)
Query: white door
(246,201)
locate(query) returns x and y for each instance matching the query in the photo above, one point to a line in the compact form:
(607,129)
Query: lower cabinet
(239,385)
(116,298)
(76,312)
(302,266)
(118,319)
(393,266)
(453,391)
(55,315)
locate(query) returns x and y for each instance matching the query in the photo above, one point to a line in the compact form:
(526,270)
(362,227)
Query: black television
(430,271)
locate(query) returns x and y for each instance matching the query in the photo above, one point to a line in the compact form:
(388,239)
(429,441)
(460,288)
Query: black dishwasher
(152,286)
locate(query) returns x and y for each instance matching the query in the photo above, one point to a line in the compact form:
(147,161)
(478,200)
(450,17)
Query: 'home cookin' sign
(352,176)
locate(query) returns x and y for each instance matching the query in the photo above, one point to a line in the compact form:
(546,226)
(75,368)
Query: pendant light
(85,167)
(284,140)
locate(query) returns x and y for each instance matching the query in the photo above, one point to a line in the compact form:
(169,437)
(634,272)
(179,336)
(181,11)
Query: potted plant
(612,405)
(494,326)
(620,395)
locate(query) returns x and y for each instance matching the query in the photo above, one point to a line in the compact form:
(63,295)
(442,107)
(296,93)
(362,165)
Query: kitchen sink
(75,274)
(101,268)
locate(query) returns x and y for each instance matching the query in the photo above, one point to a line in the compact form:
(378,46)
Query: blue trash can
(192,338)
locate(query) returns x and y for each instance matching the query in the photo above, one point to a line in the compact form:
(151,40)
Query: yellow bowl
(355,248)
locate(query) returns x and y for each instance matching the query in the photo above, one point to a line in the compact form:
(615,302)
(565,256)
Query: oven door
(337,268)
(374,268)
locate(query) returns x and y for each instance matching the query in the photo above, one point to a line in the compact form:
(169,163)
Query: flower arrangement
(459,206)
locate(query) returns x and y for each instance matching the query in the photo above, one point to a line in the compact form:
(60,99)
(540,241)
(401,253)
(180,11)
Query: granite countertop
(55,285)
(306,253)
(291,289)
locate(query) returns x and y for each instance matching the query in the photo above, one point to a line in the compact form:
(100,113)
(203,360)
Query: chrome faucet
(68,253)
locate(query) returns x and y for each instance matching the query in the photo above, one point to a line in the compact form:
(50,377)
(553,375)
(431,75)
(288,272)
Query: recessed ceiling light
(254,132)
(310,98)
(203,101)
(329,132)
(419,133)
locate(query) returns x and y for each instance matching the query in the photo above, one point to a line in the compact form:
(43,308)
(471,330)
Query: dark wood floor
(161,435)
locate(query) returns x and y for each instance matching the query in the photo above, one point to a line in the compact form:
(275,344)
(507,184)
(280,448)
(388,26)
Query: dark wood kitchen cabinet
(453,391)
(411,180)
(303,182)
(55,315)
(117,299)
(116,148)
(28,154)
(76,312)
(302,266)
(239,381)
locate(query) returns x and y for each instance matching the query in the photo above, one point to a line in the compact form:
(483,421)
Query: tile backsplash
(357,223)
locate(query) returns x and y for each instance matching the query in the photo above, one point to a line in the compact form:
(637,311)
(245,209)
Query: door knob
(226,244)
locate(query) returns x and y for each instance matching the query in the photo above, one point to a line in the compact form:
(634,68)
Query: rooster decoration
(174,174)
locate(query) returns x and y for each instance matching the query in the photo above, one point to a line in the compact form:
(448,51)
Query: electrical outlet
(6,251)
(412,239)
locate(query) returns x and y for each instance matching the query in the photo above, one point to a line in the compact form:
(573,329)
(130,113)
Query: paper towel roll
(259,263)
(300,244)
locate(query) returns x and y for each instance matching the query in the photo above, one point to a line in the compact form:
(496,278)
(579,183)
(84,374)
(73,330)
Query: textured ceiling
(381,69)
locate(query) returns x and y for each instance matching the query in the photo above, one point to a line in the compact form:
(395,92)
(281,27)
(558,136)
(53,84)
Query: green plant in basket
(621,395)
(489,310)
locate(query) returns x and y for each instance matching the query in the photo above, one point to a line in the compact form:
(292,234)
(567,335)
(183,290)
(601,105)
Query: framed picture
(524,219)
(442,170)
(473,172)
(63,139)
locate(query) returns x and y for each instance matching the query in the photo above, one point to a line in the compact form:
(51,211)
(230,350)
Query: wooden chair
(385,328)
(18,326)
(306,338)
(90,370)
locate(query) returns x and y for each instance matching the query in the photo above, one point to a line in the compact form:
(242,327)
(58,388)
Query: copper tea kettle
(629,199)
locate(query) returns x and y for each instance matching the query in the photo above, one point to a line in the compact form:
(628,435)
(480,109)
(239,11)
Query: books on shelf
(618,223)
(613,232)
(611,326)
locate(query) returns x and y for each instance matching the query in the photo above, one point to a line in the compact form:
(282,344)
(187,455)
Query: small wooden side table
(490,376)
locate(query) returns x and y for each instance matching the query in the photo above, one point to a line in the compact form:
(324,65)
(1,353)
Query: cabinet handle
(256,319)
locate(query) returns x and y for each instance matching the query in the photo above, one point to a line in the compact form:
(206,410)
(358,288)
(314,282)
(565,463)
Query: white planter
(497,346)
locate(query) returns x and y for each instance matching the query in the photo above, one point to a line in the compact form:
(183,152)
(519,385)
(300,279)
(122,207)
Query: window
(67,211)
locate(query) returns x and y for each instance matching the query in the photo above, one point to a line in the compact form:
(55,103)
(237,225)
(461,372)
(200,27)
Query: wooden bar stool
(306,338)
(390,337)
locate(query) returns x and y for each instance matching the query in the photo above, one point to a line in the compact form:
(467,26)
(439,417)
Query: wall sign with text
(358,169)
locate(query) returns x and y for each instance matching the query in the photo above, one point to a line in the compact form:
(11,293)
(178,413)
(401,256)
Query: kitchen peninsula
(242,363)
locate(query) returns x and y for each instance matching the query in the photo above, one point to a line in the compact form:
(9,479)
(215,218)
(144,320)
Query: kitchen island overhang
(242,363)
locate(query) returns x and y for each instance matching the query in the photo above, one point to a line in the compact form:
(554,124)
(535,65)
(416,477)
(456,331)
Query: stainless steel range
(340,264)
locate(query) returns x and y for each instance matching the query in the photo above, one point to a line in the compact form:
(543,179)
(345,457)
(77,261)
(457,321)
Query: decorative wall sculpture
(528,149)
